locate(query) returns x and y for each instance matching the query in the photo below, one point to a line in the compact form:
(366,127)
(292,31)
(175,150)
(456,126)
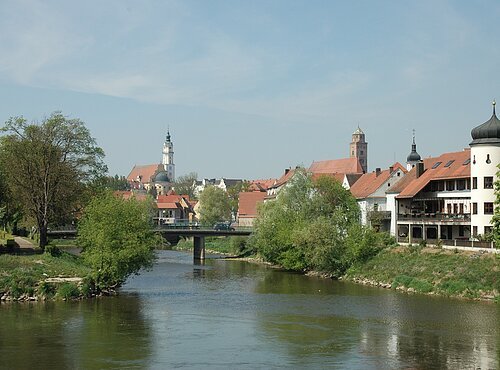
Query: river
(237,315)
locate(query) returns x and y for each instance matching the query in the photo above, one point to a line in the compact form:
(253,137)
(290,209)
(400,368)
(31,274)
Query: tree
(117,238)
(313,225)
(48,165)
(116,183)
(233,192)
(496,217)
(214,205)
(185,185)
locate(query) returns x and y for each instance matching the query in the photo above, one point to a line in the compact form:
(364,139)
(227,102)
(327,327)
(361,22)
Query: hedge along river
(233,314)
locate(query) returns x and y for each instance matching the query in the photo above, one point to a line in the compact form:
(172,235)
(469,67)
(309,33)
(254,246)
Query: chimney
(377,171)
(420,169)
(287,170)
(391,169)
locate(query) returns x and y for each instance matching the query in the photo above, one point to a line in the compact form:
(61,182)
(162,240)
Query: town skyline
(245,91)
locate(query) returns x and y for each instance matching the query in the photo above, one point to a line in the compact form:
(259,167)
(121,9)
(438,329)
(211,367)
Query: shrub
(46,290)
(68,291)
(53,250)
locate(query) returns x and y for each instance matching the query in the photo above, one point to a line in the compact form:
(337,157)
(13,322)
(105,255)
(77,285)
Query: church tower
(359,148)
(485,156)
(168,157)
(413,158)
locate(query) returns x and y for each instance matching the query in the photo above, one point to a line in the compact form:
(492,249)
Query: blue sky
(249,88)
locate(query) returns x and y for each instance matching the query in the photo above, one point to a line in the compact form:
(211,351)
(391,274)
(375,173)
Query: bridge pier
(199,248)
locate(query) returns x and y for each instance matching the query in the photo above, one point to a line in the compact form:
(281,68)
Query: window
(461,184)
(474,183)
(467,161)
(449,163)
(488,160)
(450,185)
(399,174)
(488,208)
(474,160)
(488,230)
(436,165)
(461,230)
(388,184)
(352,153)
(361,153)
(474,230)
(488,182)
(474,208)
(461,205)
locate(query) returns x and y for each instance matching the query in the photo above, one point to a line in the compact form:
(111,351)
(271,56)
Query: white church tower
(485,156)
(168,157)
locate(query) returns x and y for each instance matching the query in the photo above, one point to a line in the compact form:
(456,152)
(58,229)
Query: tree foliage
(233,192)
(47,166)
(214,205)
(185,185)
(313,225)
(116,182)
(117,237)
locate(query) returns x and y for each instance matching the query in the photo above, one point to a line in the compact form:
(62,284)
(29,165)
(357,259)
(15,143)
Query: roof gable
(454,165)
(344,165)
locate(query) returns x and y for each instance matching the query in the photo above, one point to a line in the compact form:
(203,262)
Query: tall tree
(185,185)
(47,166)
(214,205)
(117,237)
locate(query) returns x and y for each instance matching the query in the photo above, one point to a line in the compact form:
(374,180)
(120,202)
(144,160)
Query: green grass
(441,272)
(26,274)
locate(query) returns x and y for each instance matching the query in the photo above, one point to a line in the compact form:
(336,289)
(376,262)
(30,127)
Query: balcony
(435,217)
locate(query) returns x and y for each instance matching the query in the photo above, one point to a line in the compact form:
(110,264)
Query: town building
(248,203)
(359,149)
(156,177)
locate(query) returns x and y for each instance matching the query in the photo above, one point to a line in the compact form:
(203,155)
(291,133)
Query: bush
(68,291)
(53,250)
(46,290)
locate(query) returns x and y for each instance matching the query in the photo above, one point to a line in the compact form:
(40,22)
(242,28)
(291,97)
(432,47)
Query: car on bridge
(221,226)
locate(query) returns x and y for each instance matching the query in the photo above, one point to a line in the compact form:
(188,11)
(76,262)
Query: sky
(249,88)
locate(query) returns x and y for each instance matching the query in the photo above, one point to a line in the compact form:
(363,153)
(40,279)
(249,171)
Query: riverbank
(43,277)
(471,275)
(412,269)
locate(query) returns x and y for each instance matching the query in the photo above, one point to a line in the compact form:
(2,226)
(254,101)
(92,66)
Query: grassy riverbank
(432,271)
(43,276)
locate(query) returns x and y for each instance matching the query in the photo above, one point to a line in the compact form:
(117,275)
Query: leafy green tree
(116,182)
(185,185)
(496,217)
(313,225)
(117,238)
(214,205)
(233,192)
(48,165)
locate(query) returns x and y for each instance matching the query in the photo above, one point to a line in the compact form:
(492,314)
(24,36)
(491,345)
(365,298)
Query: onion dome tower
(359,148)
(485,157)
(413,158)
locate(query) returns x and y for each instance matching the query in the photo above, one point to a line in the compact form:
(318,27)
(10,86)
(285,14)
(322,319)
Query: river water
(238,315)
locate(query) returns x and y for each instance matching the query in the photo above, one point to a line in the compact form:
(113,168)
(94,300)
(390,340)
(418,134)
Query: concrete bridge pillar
(199,247)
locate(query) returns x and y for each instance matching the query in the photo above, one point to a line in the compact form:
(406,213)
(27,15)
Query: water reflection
(102,333)
(232,314)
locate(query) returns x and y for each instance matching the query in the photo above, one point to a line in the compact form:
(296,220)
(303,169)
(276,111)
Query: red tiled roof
(455,170)
(284,179)
(127,194)
(248,201)
(261,185)
(344,165)
(146,172)
(370,182)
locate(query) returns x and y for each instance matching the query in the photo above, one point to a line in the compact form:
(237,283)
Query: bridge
(197,233)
